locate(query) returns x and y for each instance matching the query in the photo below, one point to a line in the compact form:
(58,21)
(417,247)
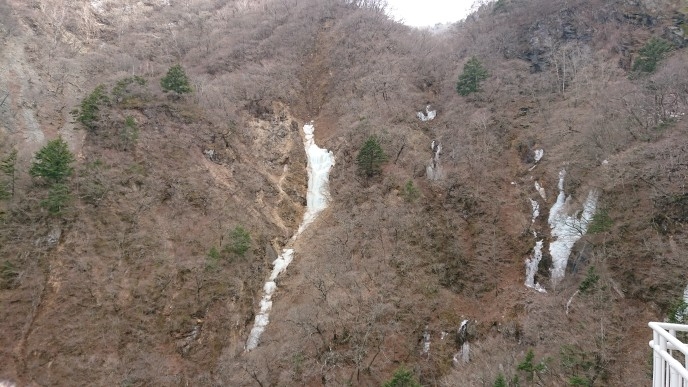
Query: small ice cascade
(429,115)
(434,171)
(567,229)
(320,161)
(464,354)
(532,267)
(533,262)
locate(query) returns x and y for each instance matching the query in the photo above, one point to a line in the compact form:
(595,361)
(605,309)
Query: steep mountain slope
(137,282)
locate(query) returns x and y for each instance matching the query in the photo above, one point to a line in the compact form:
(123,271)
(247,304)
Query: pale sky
(422,13)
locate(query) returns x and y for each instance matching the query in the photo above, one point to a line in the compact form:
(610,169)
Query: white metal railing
(669,354)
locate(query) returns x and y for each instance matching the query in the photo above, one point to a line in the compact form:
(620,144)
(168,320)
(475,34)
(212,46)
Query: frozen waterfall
(320,161)
(567,229)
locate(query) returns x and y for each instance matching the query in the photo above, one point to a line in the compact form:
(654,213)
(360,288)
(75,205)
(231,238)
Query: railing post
(656,361)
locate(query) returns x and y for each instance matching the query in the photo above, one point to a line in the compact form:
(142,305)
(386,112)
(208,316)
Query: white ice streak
(567,229)
(262,318)
(429,115)
(540,190)
(320,161)
(532,267)
(536,209)
(685,295)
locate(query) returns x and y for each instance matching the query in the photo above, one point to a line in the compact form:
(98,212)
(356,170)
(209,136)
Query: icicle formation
(567,229)
(320,161)
(429,115)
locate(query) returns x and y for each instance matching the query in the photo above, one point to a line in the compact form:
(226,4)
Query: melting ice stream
(320,161)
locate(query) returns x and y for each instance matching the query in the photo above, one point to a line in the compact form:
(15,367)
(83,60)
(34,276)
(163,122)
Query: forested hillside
(153,168)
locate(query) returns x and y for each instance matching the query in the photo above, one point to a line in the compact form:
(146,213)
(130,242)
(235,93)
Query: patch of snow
(685,295)
(443,334)
(532,267)
(540,190)
(605,162)
(320,161)
(429,115)
(538,154)
(567,229)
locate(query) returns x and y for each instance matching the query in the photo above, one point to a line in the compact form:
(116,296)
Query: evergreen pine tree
(53,162)
(650,55)
(175,80)
(371,157)
(473,74)
(239,241)
(500,381)
(402,378)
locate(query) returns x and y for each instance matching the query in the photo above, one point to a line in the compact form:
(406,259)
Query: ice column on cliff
(567,229)
(434,170)
(320,161)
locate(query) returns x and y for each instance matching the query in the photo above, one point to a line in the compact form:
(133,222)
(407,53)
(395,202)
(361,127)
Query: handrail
(662,328)
(667,371)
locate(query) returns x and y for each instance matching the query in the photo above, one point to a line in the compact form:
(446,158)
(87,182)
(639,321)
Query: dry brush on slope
(132,261)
